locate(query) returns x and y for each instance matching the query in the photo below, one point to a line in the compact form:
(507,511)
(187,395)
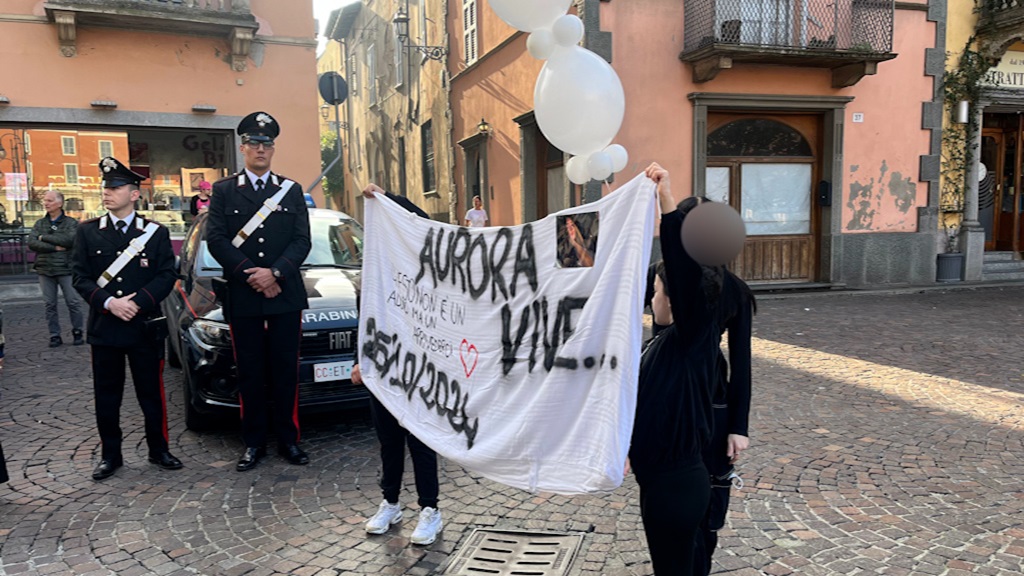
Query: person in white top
(477,217)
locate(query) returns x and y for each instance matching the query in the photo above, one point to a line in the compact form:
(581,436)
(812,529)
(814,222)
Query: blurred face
(258,156)
(660,304)
(121,199)
(51,204)
(477,203)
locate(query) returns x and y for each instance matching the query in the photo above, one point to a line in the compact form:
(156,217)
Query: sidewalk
(20,287)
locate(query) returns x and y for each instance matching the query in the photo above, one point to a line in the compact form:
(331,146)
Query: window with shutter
(469,30)
(353,75)
(399,61)
(371,74)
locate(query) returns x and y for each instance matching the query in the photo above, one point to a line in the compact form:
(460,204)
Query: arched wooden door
(766,167)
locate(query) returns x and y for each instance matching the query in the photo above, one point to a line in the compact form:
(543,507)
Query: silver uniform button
(99,251)
(260,240)
(260,254)
(261,225)
(236,211)
(119,279)
(119,293)
(118,252)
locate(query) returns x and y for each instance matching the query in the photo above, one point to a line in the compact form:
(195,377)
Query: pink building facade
(165,83)
(818,121)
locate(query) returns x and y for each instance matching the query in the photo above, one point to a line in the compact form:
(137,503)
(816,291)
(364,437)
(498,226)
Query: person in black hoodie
(393,439)
(735,308)
(678,371)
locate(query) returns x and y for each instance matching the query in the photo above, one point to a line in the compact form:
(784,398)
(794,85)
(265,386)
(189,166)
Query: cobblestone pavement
(887,439)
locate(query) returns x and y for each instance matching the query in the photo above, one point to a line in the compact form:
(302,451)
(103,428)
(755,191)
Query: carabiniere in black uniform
(265,331)
(150,275)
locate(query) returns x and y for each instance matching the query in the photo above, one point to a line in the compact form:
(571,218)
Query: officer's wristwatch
(275,272)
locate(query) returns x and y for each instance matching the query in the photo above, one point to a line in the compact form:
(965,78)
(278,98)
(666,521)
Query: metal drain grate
(511,553)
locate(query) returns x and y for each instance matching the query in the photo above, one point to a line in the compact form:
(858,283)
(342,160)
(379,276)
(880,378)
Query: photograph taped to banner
(577,240)
(487,348)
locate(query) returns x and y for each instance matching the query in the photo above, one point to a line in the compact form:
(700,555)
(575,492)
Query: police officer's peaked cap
(116,174)
(258,127)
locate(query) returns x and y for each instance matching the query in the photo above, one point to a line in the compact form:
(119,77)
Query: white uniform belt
(135,246)
(269,206)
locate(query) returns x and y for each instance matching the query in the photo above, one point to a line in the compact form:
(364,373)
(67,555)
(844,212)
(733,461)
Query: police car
(200,339)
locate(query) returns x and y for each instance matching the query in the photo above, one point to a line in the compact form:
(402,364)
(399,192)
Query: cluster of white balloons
(578,101)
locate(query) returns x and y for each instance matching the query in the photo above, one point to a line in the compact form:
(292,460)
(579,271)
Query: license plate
(331,371)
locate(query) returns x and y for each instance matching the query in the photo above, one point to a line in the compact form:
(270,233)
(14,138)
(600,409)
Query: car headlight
(211,333)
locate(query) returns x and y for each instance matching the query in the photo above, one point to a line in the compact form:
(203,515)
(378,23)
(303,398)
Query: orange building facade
(160,85)
(818,121)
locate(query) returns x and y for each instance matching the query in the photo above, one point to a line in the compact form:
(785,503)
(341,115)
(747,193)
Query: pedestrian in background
(477,216)
(201,202)
(123,267)
(52,238)
(393,439)
(258,229)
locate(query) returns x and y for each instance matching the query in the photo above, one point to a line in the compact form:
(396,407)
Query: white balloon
(530,15)
(578,101)
(540,44)
(568,30)
(576,170)
(618,155)
(599,166)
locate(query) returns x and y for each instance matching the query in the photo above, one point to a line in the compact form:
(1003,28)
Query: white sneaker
(387,514)
(427,527)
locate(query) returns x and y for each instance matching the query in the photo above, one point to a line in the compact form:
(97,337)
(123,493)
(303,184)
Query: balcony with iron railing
(1000,21)
(229,19)
(850,37)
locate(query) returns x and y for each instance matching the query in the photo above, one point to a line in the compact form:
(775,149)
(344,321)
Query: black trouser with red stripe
(146,362)
(267,355)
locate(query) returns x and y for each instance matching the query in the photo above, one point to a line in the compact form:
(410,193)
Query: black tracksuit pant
(672,505)
(393,439)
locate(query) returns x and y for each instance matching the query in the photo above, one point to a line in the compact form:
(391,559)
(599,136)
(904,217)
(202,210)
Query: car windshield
(337,242)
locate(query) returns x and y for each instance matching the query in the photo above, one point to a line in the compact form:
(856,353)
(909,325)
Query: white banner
(513,351)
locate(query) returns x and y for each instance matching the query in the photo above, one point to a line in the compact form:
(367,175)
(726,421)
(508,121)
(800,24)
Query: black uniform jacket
(282,241)
(150,276)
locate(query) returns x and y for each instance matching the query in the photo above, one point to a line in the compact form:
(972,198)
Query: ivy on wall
(962,84)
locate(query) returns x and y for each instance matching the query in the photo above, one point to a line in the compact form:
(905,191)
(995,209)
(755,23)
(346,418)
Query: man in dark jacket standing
(123,268)
(52,238)
(258,230)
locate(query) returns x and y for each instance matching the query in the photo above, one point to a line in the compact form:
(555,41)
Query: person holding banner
(259,231)
(678,369)
(393,438)
(730,403)
(123,266)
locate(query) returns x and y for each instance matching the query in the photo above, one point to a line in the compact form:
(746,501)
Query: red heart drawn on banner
(469,355)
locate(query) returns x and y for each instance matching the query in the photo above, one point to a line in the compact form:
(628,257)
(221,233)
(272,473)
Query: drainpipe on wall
(453,197)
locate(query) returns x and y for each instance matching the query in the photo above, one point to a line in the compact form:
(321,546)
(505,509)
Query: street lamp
(15,143)
(401,23)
